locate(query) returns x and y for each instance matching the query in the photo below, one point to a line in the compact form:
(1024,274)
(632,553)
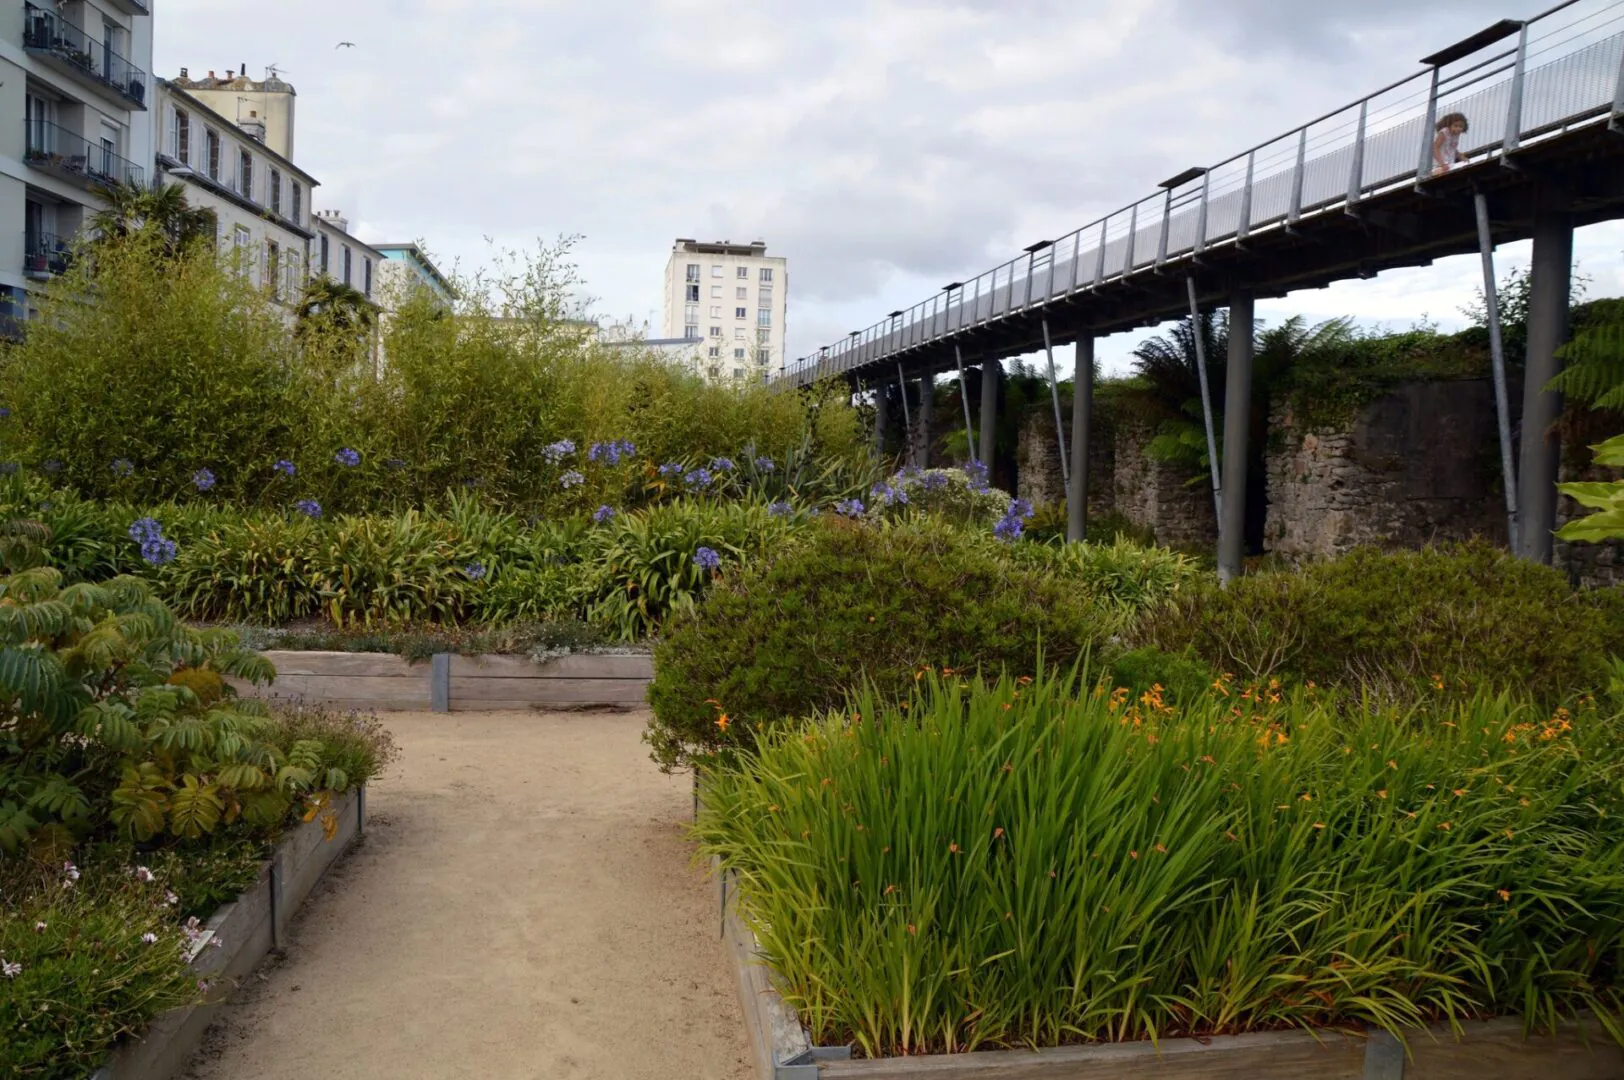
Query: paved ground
(524,905)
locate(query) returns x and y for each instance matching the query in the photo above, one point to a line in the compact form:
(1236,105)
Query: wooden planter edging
(781,1049)
(247,928)
(450,683)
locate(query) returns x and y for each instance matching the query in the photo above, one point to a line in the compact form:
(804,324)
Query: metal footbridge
(1348,194)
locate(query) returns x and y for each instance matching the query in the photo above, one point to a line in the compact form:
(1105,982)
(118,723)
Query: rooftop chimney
(183,73)
(253,127)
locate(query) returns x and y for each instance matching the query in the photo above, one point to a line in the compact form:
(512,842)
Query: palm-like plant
(336,306)
(163,208)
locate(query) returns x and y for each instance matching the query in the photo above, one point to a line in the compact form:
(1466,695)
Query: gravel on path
(525,904)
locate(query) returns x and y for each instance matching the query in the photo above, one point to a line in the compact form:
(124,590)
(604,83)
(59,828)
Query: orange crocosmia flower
(953,849)
(1161,849)
(1505,894)
(1133,854)
(889,889)
(723,721)
(996,833)
(912,929)
(1444,825)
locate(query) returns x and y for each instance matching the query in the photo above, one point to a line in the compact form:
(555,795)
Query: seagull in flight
(345,45)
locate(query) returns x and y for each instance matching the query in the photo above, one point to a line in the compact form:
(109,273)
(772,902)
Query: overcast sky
(885,147)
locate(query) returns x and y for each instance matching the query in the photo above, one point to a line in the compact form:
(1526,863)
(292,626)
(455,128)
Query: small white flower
(171,899)
(215,943)
(39,928)
(149,938)
(9,969)
(142,874)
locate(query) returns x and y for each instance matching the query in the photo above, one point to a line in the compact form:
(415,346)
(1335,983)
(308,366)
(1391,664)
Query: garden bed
(247,928)
(781,1049)
(452,683)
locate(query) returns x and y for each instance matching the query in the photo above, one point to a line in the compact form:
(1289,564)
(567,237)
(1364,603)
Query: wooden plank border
(451,683)
(247,928)
(782,1050)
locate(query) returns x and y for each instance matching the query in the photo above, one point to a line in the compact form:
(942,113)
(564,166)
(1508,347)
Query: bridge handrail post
(1076,259)
(1167,218)
(1356,174)
(1514,111)
(1429,129)
(1617,120)
(1296,213)
(1244,227)
(1133,231)
(1201,219)
(1099,257)
(1031,271)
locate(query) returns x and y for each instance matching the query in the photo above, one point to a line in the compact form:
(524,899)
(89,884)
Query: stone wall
(1419,464)
(1039,478)
(1160,497)
(1587,564)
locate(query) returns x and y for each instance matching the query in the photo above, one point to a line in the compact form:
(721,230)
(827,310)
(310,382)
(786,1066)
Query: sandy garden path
(524,905)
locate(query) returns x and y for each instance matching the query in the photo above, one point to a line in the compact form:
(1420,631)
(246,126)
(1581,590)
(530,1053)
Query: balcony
(131,7)
(45,255)
(57,43)
(51,149)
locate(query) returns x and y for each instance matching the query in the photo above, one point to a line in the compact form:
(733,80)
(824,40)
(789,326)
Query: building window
(211,145)
(346,264)
(716,331)
(766,296)
(716,292)
(109,151)
(763,336)
(693,293)
(738,373)
(738,333)
(738,354)
(180,136)
(298,203)
(716,271)
(741,313)
(324,254)
(691,313)
(764,316)
(691,332)
(273,268)
(741,293)
(41,112)
(766,273)
(366,275)
(274,189)
(716,311)
(715,351)
(245,174)
(693,271)
(761,357)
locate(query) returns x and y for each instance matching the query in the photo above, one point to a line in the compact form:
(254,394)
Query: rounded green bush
(1396,621)
(850,604)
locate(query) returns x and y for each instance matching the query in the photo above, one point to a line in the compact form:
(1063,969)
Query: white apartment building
(733,297)
(260,199)
(342,257)
(74,75)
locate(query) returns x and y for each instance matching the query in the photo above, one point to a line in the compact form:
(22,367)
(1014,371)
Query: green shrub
(1177,678)
(255,570)
(958,496)
(851,603)
(406,568)
(1123,573)
(1401,621)
(1009,865)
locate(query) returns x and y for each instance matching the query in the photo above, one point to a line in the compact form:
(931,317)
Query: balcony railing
(52,38)
(52,149)
(45,255)
(132,7)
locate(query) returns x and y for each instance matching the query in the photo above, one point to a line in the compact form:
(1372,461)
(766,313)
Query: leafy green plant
(258,569)
(407,568)
(848,604)
(1015,863)
(1401,621)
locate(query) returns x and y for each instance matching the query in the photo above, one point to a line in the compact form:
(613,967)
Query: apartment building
(260,198)
(75,76)
(406,268)
(338,254)
(734,298)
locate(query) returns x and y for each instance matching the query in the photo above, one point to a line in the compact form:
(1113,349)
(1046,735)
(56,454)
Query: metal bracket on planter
(803,1066)
(440,682)
(1384,1057)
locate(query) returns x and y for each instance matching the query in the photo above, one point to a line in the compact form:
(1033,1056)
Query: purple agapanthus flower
(671,468)
(348,458)
(849,507)
(707,559)
(1009,528)
(977,472)
(698,478)
(558,451)
(780,509)
(722,464)
(475,571)
(571,479)
(5,412)
(890,496)
(123,467)
(203,479)
(156,549)
(285,467)
(310,508)
(934,481)
(765,464)
(603,514)
(611,453)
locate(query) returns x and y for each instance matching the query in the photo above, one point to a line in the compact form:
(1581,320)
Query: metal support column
(1206,401)
(882,401)
(907,420)
(927,412)
(1054,395)
(964,397)
(1497,353)
(1550,279)
(1082,422)
(990,371)
(1237,426)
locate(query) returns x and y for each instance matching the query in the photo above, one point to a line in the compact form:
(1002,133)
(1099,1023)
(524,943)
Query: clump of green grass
(1021,863)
